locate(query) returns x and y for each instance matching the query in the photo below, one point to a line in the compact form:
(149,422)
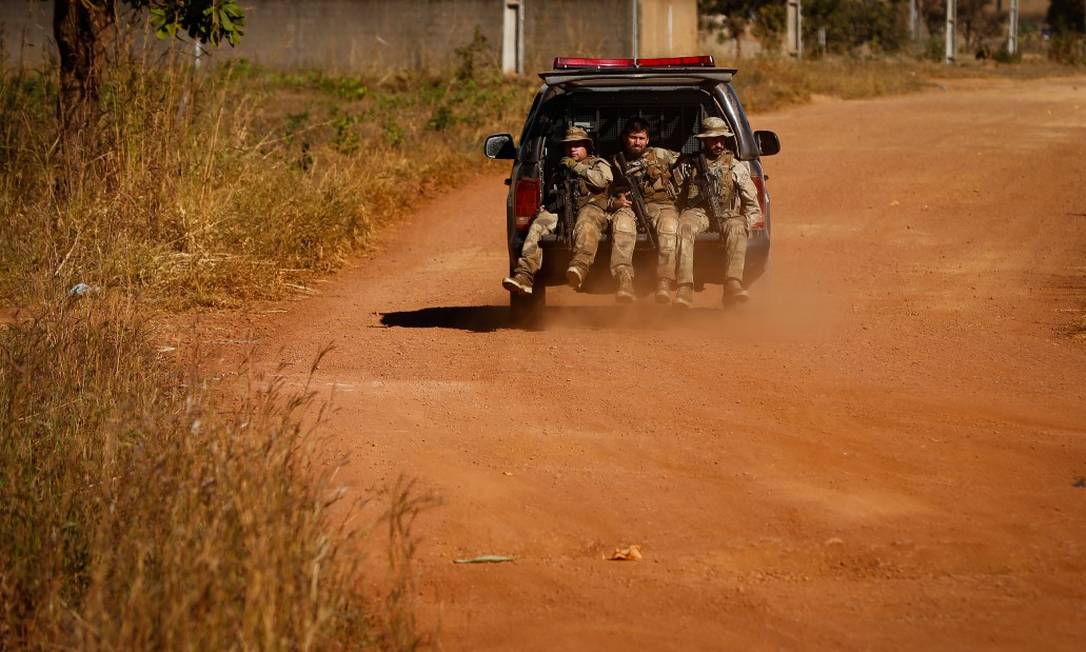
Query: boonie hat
(715,128)
(576,135)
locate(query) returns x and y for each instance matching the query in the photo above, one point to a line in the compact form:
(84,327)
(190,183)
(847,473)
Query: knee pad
(667,226)
(624,226)
(585,226)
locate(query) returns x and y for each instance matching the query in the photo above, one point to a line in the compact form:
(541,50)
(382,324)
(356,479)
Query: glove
(569,162)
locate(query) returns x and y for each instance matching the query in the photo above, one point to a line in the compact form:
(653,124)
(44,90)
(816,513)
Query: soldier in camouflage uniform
(650,167)
(591,176)
(738,206)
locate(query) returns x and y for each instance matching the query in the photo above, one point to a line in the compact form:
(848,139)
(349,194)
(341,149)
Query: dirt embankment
(884,449)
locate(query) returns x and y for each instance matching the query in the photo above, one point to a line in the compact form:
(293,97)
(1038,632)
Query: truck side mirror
(500,146)
(768,142)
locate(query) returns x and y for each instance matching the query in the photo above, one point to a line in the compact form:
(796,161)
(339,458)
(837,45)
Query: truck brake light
(759,183)
(525,202)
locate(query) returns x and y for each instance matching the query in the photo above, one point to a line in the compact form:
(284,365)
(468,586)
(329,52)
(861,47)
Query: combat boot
(734,292)
(575,276)
(519,283)
(684,297)
(625,292)
(663,291)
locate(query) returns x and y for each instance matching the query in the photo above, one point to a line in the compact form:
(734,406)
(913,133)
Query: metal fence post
(1012,30)
(951,30)
(795,28)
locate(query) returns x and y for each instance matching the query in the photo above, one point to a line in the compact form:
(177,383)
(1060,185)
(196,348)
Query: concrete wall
(575,28)
(26,27)
(356,35)
(668,28)
(379,35)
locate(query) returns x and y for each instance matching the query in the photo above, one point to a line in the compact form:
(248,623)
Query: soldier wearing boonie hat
(576,135)
(715,128)
(739,212)
(591,176)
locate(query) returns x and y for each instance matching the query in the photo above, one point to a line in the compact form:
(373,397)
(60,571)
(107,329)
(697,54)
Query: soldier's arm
(748,195)
(667,156)
(683,172)
(598,175)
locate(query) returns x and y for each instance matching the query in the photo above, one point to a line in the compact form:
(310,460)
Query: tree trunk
(82,29)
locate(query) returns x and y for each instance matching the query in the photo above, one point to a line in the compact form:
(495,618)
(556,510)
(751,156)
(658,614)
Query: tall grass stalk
(138,513)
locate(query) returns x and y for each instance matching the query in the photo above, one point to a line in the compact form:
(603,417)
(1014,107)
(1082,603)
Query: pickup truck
(674,95)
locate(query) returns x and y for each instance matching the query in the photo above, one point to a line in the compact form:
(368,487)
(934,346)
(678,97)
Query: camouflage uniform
(739,205)
(653,170)
(591,177)
(531,256)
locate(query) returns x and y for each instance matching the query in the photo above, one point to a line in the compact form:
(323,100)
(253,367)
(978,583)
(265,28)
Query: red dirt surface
(884,449)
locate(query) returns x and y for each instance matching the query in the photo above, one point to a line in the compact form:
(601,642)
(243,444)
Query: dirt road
(885,449)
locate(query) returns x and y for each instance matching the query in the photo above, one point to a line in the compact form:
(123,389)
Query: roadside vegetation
(211,187)
(774,83)
(881,28)
(143,506)
(142,510)
(139,507)
(136,517)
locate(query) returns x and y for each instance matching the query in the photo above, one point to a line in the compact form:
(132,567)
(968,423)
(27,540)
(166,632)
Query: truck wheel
(527,311)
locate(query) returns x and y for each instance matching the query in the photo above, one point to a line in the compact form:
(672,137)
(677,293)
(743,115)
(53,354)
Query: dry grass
(137,509)
(769,84)
(138,513)
(208,189)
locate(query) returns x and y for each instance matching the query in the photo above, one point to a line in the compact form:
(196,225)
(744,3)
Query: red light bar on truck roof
(573,63)
(569,63)
(703,61)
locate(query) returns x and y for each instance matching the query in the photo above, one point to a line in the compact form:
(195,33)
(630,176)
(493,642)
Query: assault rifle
(708,185)
(626,182)
(567,204)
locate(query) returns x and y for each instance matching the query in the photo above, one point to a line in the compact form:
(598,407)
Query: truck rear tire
(527,310)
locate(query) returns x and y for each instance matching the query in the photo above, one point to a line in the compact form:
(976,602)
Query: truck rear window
(674,116)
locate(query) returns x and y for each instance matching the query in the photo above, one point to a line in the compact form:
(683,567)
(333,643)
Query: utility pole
(1012,30)
(795,28)
(951,30)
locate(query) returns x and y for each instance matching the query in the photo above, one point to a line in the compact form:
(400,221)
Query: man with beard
(650,168)
(737,211)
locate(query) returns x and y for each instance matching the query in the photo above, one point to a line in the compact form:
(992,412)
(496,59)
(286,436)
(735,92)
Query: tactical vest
(584,191)
(724,171)
(654,177)
(724,168)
